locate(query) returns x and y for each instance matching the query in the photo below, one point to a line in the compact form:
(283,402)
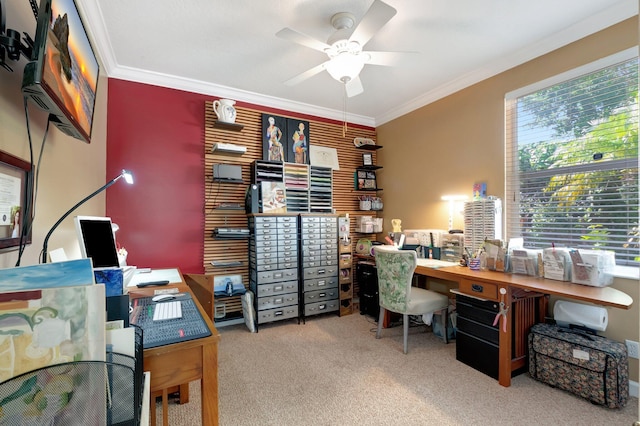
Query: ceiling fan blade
(303,39)
(385,58)
(353,87)
(376,17)
(305,75)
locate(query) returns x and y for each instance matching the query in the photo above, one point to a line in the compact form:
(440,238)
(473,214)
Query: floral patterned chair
(395,272)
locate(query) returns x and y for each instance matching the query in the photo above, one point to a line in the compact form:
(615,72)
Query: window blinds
(572,163)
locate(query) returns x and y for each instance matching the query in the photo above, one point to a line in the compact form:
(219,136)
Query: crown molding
(97,30)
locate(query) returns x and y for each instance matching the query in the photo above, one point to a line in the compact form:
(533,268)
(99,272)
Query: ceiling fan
(344,47)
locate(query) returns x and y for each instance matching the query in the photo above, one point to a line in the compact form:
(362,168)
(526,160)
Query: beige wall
(69,169)
(447,146)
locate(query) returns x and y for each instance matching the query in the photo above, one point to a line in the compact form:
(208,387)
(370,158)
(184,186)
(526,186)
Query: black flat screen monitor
(97,242)
(62,76)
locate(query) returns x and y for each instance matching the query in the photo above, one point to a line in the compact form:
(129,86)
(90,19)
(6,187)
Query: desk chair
(395,272)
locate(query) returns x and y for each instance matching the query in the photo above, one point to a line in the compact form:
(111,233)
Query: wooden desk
(180,363)
(488,284)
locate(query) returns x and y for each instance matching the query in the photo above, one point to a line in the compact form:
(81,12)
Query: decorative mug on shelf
(365,204)
(224,110)
(376,203)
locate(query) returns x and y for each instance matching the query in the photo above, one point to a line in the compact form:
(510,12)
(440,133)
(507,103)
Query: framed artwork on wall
(274,128)
(297,141)
(16,203)
(367,159)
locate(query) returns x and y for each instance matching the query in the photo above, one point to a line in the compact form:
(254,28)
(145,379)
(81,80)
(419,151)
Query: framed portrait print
(367,159)
(274,130)
(297,141)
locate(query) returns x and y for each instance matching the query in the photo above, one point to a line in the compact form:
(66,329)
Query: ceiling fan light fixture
(345,66)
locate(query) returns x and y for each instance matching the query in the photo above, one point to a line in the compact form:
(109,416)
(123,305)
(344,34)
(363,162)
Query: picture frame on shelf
(370,183)
(367,159)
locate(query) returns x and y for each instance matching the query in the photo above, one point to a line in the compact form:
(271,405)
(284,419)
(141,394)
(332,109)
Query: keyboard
(167,310)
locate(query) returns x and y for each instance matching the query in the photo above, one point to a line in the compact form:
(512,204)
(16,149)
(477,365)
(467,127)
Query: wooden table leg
(504,350)
(184,393)
(209,385)
(165,407)
(152,410)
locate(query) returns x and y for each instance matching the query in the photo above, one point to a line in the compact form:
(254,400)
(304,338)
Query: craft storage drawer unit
(321,307)
(321,295)
(277,301)
(277,288)
(270,315)
(320,283)
(273,266)
(477,339)
(319,263)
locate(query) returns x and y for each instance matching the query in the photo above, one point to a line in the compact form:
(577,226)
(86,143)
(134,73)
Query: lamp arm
(45,245)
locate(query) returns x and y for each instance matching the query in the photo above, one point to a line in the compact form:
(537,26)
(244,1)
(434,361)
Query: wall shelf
(221,207)
(369,147)
(369,167)
(228,148)
(226,263)
(228,126)
(233,181)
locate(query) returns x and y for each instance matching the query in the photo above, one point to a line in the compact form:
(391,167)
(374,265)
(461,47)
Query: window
(572,160)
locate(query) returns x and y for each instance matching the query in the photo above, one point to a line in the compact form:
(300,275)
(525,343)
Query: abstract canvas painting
(47,275)
(50,326)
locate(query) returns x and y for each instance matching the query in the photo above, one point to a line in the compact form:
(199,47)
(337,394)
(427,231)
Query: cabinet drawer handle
(477,288)
(278,288)
(322,282)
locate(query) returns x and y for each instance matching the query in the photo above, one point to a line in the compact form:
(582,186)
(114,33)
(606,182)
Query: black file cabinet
(477,339)
(367,277)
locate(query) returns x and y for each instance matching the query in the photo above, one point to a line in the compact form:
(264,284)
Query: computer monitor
(97,242)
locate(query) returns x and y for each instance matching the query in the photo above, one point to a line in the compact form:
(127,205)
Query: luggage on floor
(590,366)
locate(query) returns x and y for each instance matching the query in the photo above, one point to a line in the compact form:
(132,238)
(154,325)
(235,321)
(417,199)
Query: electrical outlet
(633,349)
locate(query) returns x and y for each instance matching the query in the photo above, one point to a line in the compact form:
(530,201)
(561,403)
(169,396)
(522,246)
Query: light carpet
(332,371)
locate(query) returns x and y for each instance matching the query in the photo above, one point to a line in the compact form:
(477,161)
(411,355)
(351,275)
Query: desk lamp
(452,199)
(128,177)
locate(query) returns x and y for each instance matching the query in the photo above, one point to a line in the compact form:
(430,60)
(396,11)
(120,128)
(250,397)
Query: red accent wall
(158,134)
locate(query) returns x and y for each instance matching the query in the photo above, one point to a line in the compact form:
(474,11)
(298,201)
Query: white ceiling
(229,49)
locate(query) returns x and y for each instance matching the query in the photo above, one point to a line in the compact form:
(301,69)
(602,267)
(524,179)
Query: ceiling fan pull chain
(344,108)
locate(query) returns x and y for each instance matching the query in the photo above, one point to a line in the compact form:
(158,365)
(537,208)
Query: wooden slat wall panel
(345,198)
